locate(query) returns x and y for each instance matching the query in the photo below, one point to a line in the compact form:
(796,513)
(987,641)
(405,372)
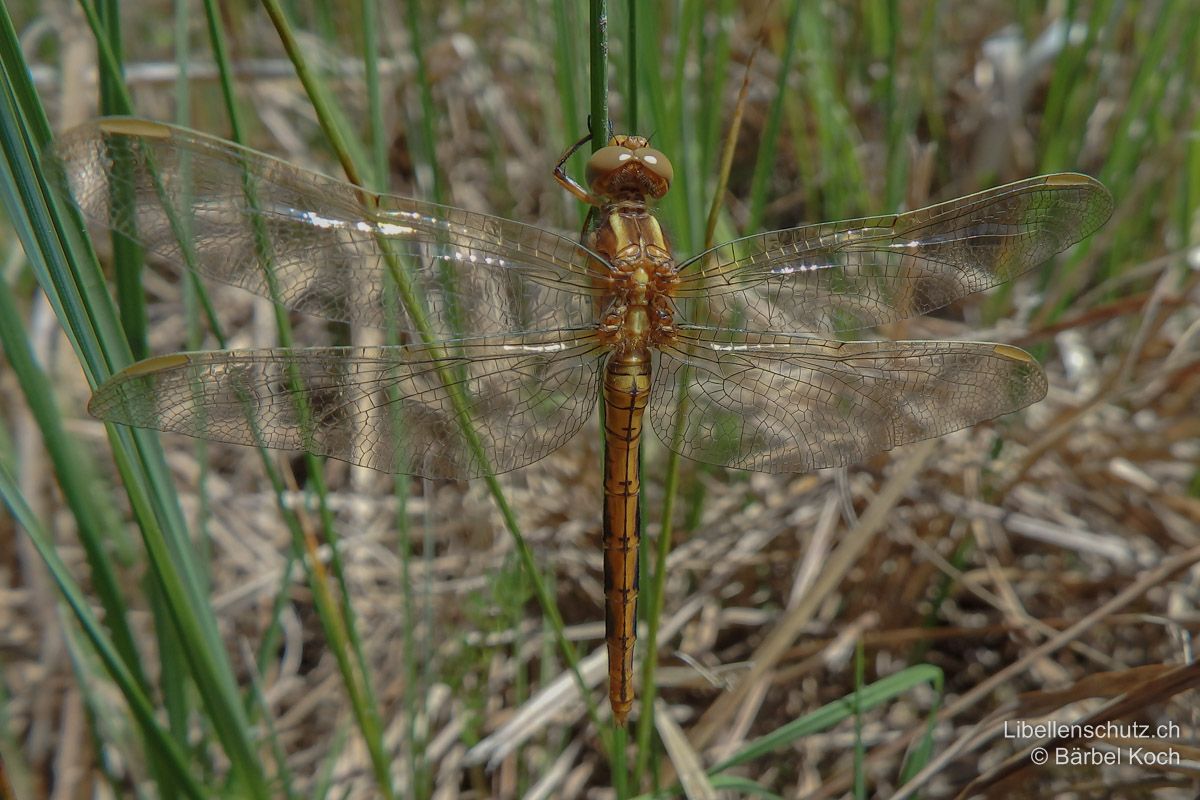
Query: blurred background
(203,622)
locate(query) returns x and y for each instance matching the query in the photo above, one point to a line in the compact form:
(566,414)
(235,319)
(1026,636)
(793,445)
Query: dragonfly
(509,336)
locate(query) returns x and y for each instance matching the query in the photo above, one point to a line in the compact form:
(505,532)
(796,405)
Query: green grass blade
(92,329)
(764,167)
(369,33)
(413,305)
(337,620)
(161,743)
(598,41)
(127,256)
(871,696)
(631,67)
(425,144)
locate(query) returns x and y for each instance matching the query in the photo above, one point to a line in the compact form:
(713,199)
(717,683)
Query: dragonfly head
(628,166)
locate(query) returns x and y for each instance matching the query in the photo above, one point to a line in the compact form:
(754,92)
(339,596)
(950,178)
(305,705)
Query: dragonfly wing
(486,406)
(862,273)
(319,245)
(779,403)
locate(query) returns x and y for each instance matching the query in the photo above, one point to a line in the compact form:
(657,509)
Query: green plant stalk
(127,256)
(427,142)
(652,100)
(656,591)
(283,773)
(862,700)
(227,85)
(1074,89)
(158,740)
(92,329)
(337,620)
(918,756)
(192,620)
(421,785)
(75,478)
(827,716)
(598,52)
(671,484)
(176,698)
(369,32)
(565,81)
(1128,147)
(764,165)
(860,750)
(679,116)
(715,69)
(631,47)
(414,307)
(225,77)
(837,136)
(902,109)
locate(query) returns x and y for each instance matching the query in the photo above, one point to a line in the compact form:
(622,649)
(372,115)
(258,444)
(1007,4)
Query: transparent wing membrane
(504,364)
(387,408)
(778,403)
(855,274)
(242,218)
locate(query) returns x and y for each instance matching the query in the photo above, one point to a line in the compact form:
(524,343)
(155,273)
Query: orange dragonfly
(513,331)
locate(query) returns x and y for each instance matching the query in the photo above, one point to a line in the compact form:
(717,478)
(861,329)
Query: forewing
(491,406)
(856,274)
(237,216)
(777,403)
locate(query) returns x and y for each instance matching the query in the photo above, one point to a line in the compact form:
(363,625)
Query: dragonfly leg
(567,182)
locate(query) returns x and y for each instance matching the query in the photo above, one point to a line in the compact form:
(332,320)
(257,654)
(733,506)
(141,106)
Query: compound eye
(605,161)
(656,162)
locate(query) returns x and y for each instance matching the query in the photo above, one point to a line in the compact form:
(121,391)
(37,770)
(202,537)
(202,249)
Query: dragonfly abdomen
(626,393)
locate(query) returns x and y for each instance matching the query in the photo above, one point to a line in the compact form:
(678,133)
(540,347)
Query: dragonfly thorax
(638,311)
